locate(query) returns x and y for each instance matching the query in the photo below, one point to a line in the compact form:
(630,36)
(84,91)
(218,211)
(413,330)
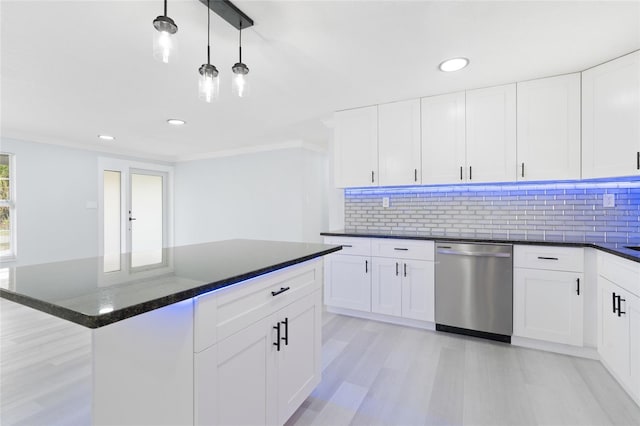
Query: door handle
(620,311)
(415,175)
(613,302)
(470,175)
(372,180)
(578,286)
(396,269)
(366,266)
(460,172)
(285,339)
(522,169)
(277,342)
(405,269)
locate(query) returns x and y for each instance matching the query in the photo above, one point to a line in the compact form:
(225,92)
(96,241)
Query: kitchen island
(224,332)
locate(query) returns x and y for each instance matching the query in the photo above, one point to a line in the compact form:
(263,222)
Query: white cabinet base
(425,325)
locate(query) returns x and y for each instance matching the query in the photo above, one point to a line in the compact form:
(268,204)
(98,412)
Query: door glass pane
(146,219)
(111,221)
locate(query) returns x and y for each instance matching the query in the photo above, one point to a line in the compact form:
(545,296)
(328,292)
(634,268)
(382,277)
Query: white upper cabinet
(611,118)
(549,128)
(443,139)
(399,143)
(356,147)
(491,134)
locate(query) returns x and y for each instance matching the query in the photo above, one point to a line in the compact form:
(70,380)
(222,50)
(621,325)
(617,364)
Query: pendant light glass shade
(240,83)
(209,83)
(163,41)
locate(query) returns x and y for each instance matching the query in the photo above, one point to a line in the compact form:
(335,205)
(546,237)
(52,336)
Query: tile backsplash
(559,211)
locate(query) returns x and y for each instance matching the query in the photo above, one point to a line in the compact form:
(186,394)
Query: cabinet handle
(396,269)
(638,160)
(470,175)
(460,172)
(285,339)
(372,180)
(415,175)
(277,342)
(405,269)
(620,311)
(522,169)
(547,258)
(282,290)
(347,245)
(578,286)
(613,301)
(401,249)
(366,266)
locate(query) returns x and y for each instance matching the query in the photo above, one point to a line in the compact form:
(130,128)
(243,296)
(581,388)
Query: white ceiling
(71,70)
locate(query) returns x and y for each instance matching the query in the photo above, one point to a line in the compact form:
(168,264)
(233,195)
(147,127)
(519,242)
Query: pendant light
(163,42)
(209,83)
(240,71)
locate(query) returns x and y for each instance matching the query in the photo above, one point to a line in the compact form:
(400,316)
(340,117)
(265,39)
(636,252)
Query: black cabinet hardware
(613,300)
(522,169)
(547,258)
(285,339)
(366,266)
(282,290)
(400,248)
(405,269)
(372,176)
(347,245)
(638,160)
(578,286)
(620,311)
(444,247)
(277,342)
(460,172)
(396,269)
(415,175)
(470,175)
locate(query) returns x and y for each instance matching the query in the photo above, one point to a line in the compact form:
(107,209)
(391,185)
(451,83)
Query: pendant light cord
(208,31)
(165,7)
(240,42)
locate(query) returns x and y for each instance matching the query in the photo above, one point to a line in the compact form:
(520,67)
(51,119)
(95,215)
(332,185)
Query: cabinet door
(356,147)
(613,339)
(418,279)
(386,286)
(443,139)
(299,366)
(348,282)
(549,128)
(548,305)
(233,379)
(633,311)
(491,134)
(399,143)
(611,118)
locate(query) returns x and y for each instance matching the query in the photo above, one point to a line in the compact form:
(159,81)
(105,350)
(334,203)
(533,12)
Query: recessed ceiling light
(106,137)
(453,64)
(176,122)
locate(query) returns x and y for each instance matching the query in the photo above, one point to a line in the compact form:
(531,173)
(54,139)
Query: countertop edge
(97,321)
(599,246)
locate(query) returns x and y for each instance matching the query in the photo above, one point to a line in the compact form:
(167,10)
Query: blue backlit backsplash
(558,210)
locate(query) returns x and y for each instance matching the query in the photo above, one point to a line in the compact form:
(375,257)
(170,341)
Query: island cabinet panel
(147,359)
(260,369)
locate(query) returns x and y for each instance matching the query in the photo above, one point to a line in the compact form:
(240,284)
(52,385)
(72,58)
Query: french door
(135,212)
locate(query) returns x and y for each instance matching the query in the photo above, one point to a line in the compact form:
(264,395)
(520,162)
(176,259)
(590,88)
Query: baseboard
(425,325)
(578,351)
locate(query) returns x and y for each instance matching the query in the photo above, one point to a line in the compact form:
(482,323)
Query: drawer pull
(547,258)
(347,245)
(282,290)
(277,342)
(401,249)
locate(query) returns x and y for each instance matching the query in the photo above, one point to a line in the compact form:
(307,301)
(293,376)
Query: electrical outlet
(385,202)
(609,200)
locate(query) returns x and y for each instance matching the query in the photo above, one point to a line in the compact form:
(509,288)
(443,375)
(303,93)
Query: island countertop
(79,290)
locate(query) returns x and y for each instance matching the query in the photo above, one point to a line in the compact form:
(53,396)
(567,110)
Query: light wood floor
(373,373)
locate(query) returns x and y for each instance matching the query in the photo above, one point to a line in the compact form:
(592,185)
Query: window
(7,207)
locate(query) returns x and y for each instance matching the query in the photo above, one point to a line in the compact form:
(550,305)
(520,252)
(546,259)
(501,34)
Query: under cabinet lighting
(454,64)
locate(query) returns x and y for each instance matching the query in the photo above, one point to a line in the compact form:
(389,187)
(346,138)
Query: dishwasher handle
(472,253)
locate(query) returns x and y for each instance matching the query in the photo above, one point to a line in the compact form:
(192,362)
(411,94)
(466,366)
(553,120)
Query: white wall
(276,195)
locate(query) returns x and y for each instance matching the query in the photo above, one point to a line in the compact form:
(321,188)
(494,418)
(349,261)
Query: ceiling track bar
(230,13)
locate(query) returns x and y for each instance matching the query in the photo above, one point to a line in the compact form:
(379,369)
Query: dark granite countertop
(79,290)
(619,249)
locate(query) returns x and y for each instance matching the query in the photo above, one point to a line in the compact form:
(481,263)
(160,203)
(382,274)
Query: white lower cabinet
(548,305)
(619,321)
(262,373)
(348,282)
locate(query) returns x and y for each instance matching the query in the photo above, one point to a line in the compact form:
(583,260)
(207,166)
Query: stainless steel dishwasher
(474,289)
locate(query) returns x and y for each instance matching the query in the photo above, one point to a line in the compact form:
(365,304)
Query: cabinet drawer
(219,314)
(625,273)
(402,249)
(351,245)
(548,257)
